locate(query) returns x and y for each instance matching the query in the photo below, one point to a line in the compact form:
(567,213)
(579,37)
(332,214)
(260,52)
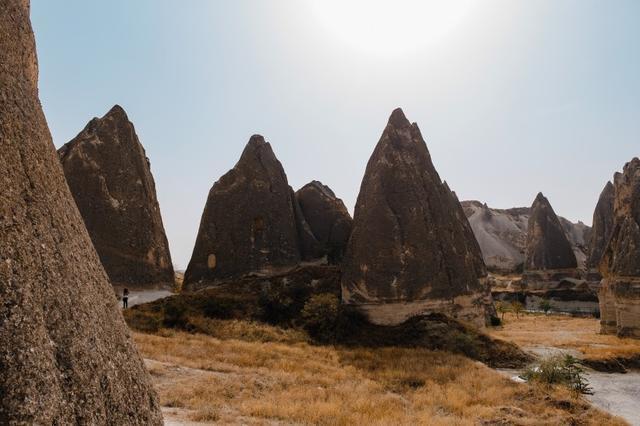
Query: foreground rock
(110,178)
(250,223)
(502,235)
(601,231)
(65,356)
(327,217)
(620,264)
(549,256)
(408,254)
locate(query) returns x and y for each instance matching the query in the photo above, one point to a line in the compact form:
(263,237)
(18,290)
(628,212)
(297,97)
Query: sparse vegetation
(223,380)
(517,308)
(502,308)
(560,370)
(545,306)
(599,351)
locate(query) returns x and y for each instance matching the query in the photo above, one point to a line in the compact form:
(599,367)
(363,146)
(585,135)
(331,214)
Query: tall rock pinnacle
(251,222)
(66,356)
(620,263)
(408,254)
(110,178)
(602,226)
(548,250)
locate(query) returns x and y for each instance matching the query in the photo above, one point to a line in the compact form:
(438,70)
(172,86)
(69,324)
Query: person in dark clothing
(125,298)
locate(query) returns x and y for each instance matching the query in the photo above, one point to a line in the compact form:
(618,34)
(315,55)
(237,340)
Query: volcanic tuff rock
(502,235)
(408,254)
(110,178)
(251,222)
(328,218)
(602,226)
(65,357)
(547,245)
(620,264)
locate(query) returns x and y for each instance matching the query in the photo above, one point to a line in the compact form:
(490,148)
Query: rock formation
(547,243)
(601,231)
(110,178)
(502,235)
(549,255)
(251,222)
(408,254)
(620,262)
(65,357)
(327,217)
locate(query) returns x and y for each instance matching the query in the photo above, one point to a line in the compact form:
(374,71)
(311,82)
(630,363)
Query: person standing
(125,298)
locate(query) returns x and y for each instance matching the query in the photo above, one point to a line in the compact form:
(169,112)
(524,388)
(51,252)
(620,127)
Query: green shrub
(562,370)
(175,313)
(545,306)
(320,316)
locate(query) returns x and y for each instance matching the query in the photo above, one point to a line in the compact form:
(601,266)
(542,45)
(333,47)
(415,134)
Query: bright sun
(391,26)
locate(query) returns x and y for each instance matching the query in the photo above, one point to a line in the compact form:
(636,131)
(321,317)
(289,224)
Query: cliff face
(110,178)
(408,253)
(620,262)
(66,356)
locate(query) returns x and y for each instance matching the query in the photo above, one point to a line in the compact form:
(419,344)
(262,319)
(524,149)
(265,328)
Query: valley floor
(256,374)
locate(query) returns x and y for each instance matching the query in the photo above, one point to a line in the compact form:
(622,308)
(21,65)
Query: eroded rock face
(327,217)
(549,255)
(408,254)
(602,227)
(66,356)
(620,262)
(110,178)
(502,235)
(250,222)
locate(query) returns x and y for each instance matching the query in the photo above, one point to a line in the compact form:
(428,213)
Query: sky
(512,97)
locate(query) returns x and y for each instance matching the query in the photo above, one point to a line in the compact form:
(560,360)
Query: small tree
(502,308)
(517,307)
(320,315)
(545,306)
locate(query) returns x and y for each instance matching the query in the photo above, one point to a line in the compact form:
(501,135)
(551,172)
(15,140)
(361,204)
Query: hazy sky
(513,97)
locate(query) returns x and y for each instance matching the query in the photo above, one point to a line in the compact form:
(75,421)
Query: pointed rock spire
(110,178)
(602,226)
(249,223)
(65,354)
(547,245)
(408,253)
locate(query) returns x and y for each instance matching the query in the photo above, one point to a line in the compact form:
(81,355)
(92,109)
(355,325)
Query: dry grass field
(565,332)
(251,373)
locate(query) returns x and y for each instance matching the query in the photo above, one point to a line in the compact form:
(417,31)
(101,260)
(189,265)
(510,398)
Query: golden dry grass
(566,332)
(255,382)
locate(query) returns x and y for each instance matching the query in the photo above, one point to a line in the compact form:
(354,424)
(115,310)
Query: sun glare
(391,26)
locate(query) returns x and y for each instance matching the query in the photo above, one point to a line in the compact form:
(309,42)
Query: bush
(545,306)
(320,316)
(175,313)
(562,370)
(495,321)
